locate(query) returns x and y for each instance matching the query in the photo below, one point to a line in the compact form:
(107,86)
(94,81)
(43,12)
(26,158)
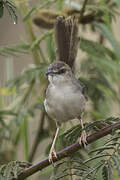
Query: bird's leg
(52,150)
(83,135)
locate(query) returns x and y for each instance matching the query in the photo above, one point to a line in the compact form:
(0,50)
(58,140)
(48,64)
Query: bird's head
(58,72)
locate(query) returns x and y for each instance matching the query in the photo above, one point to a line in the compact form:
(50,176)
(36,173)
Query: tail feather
(66,35)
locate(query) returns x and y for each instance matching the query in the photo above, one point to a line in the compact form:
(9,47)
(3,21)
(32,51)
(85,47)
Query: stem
(39,39)
(29,31)
(37,139)
(42,54)
(83,9)
(70,169)
(27,93)
(67,151)
(25,137)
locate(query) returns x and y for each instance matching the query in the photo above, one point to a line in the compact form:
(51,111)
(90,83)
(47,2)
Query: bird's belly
(63,104)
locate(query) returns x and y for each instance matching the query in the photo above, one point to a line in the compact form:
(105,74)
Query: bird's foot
(52,155)
(83,139)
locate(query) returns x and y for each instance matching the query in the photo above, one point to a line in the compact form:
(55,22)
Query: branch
(83,8)
(67,151)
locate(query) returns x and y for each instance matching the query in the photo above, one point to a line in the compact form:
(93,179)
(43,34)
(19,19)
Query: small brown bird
(65,99)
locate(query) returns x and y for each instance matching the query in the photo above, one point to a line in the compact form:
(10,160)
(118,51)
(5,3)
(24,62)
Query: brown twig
(67,151)
(83,9)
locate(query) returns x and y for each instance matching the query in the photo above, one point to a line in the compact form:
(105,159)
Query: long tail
(66,35)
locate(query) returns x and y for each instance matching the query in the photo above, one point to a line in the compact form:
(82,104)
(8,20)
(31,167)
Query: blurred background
(26,50)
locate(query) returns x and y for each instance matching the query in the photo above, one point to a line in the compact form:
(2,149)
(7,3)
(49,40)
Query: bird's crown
(58,67)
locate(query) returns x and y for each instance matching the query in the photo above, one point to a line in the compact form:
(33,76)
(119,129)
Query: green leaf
(12,169)
(14,50)
(29,14)
(95,48)
(102,8)
(116,160)
(37,8)
(112,139)
(107,66)
(109,36)
(107,172)
(11,12)
(96,157)
(50,47)
(39,39)
(103,148)
(117,2)
(28,76)
(7,112)
(60,5)
(94,169)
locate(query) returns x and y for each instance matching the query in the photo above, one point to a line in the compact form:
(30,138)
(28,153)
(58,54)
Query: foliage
(100,71)
(10,7)
(97,163)
(11,169)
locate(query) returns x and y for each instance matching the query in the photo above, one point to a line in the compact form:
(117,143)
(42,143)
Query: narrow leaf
(109,36)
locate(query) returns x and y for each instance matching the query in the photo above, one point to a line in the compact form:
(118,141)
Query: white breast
(63,103)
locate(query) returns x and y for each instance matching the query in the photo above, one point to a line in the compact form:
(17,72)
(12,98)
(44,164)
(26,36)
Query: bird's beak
(49,72)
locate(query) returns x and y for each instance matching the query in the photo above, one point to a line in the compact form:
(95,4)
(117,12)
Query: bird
(65,96)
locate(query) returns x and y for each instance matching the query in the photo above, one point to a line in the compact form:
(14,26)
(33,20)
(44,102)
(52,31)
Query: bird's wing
(80,87)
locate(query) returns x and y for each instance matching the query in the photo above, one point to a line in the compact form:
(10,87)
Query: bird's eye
(62,71)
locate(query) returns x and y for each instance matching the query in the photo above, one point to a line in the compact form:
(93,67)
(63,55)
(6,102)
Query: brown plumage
(66,35)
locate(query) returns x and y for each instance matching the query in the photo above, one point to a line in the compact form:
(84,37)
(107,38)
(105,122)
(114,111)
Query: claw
(83,139)
(52,155)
